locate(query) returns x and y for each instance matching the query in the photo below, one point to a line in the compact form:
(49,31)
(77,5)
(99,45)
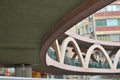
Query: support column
(23,70)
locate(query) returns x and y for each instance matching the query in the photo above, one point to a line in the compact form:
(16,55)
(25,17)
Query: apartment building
(84,28)
(103,25)
(107,23)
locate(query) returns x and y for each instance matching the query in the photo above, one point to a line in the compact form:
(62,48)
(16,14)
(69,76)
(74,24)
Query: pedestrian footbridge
(84,49)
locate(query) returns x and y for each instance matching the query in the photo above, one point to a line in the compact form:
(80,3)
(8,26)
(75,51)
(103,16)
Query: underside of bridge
(29,27)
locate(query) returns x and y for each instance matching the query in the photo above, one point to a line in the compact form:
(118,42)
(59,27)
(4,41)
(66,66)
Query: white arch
(57,49)
(62,49)
(64,46)
(89,52)
(116,59)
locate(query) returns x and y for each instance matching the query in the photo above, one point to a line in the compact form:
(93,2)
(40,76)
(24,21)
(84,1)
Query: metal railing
(73,62)
(76,62)
(51,53)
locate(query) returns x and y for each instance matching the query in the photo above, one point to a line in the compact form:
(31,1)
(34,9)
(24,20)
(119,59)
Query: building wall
(84,28)
(107,22)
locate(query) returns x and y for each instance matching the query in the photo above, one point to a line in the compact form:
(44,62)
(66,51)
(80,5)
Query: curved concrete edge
(79,70)
(85,9)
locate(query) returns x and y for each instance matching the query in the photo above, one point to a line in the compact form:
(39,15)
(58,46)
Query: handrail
(87,40)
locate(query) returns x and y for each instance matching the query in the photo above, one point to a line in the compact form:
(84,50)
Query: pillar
(23,70)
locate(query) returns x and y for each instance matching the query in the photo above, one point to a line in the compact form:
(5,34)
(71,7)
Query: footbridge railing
(84,49)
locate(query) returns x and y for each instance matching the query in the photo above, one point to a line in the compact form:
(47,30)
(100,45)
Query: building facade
(103,25)
(84,28)
(107,23)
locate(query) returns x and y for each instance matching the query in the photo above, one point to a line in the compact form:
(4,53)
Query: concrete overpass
(29,27)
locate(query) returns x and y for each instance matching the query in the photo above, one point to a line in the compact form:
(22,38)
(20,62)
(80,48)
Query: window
(103,37)
(110,8)
(82,30)
(118,21)
(91,29)
(107,37)
(117,7)
(100,22)
(112,22)
(78,31)
(107,22)
(103,10)
(115,37)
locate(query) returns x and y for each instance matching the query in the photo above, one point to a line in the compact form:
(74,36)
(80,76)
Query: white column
(23,70)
